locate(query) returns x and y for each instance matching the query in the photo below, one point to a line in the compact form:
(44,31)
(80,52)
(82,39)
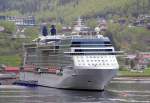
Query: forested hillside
(65,11)
(31,6)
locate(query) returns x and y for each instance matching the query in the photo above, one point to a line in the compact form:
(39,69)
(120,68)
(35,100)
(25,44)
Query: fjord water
(122,92)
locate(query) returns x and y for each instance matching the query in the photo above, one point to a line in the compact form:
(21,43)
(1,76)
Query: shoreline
(127,78)
(139,80)
(132,76)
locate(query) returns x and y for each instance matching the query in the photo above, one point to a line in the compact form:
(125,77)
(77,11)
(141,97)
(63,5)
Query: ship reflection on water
(114,93)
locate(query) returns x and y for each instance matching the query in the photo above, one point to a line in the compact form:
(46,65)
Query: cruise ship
(83,60)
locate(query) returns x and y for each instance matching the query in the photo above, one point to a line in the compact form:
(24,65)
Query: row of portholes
(103,64)
(86,57)
(96,60)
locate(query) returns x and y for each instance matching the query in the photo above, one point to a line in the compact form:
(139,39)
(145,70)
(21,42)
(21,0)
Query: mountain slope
(70,9)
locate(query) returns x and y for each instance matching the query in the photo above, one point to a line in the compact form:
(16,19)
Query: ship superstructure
(70,62)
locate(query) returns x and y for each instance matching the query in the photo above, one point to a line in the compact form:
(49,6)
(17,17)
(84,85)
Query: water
(116,92)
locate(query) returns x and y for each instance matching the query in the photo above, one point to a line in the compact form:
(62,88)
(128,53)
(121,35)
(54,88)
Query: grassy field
(13,60)
(129,73)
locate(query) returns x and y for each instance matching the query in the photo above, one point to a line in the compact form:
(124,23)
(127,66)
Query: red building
(12,69)
(140,60)
(143,58)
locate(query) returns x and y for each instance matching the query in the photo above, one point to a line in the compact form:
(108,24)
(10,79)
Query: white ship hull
(86,79)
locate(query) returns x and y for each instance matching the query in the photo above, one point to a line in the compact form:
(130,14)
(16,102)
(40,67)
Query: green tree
(10,27)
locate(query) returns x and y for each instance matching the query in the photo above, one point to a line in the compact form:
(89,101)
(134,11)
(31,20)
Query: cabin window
(90,43)
(91,50)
